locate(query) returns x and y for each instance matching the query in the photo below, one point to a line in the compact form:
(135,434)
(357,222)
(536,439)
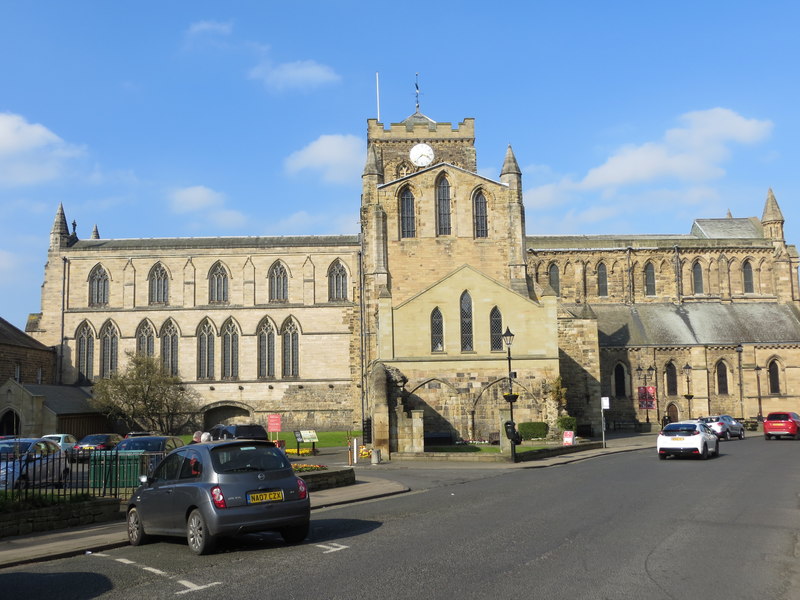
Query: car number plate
(677,439)
(259,497)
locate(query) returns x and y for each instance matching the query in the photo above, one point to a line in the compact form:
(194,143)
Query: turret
(59,234)
(772,219)
(510,174)
(95,233)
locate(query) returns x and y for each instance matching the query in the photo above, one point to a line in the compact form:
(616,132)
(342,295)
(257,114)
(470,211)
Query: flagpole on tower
(416,85)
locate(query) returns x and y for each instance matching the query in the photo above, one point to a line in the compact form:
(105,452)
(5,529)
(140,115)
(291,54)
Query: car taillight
(100,447)
(218,497)
(302,489)
(695,432)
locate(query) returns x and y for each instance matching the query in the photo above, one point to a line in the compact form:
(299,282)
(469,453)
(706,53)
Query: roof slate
(12,336)
(62,399)
(256,242)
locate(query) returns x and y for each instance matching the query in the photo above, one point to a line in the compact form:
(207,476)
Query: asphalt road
(618,526)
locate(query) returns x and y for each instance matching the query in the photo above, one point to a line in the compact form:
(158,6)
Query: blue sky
(180,118)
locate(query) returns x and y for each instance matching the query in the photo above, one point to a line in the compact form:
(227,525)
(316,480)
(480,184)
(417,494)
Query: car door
(711,438)
(155,499)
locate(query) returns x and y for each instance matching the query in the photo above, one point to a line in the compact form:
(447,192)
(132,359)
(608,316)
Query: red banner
(647,397)
(273,423)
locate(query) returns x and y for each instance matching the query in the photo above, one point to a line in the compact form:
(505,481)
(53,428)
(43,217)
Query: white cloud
(209,27)
(301,74)
(30,153)
(228,219)
(195,198)
(340,158)
(8,262)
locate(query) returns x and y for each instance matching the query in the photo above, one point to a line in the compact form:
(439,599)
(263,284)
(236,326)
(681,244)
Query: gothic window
(290,350)
(218,285)
(443,206)
(774,375)
(602,280)
(98,287)
(649,280)
(619,381)
(552,274)
(278,283)
(159,285)
(145,339)
(747,277)
(266,350)
(466,323)
(437,331)
(337,282)
(495,329)
(109,343)
(722,378)
(672,380)
(169,348)
(85,351)
(480,215)
(205,351)
(230,351)
(408,228)
(697,278)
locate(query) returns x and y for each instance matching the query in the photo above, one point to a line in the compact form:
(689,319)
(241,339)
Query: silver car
(32,462)
(207,491)
(725,426)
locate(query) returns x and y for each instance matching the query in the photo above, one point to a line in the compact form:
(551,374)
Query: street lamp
(687,369)
(739,350)
(510,397)
(758,385)
(643,375)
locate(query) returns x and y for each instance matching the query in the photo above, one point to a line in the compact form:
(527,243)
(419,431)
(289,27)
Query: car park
(687,438)
(725,426)
(782,424)
(231,432)
(96,441)
(210,490)
(32,462)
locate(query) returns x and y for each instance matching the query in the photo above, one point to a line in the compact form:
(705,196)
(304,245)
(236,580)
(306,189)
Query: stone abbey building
(400,326)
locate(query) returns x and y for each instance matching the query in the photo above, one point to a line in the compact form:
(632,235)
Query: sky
(198,118)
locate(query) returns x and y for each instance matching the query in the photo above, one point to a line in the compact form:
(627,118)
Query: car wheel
(766,436)
(741,434)
(662,456)
(727,435)
(197,534)
(296,534)
(704,453)
(63,481)
(22,483)
(136,534)
(716,450)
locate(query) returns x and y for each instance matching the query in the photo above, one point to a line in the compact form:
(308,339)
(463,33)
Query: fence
(103,473)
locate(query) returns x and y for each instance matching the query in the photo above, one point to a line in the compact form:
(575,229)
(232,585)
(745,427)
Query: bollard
(376,456)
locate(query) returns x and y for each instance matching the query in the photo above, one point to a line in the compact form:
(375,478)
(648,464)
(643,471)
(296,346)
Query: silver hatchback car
(725,426)
(225,488)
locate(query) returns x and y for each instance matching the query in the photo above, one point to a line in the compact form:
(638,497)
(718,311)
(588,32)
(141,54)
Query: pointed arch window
(109,344)
(672,379)
(218,285)
(443,206)
(169,348)
(649,280)
(98,287)
(437,331)
(85,352)
(495,329)
(278,283)
(205,351)
(145,339)
(337,282)
(553,279)
(602,280)
(747,277)
(466,323)
(230,351)
(774,376)
(159,285)
(697,278)
(480,215)
(266,351)
(722,378)
(620,382)
(408,226)
(291,360)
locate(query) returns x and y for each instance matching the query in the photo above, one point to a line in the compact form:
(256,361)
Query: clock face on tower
(421,155)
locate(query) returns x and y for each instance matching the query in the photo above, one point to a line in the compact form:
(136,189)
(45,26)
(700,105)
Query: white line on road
(331,547)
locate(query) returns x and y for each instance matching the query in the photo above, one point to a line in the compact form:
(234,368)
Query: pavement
(372,481)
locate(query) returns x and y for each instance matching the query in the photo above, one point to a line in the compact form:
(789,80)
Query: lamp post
(687,370)
(758,387)
(643,375)
(739,350)
(510,397)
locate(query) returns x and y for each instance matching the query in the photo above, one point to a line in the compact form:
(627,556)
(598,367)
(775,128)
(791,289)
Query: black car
(150,443)
(96,441)
(238,432)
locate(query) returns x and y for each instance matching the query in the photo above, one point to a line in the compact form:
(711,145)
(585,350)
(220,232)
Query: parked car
(242,432)
(65,440)
(782,424)
(96,441)
(131,434)
(725,426)
(152,443)
(687,438)
(209,490)
(32,462)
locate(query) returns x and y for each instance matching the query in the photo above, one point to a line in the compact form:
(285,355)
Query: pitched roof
(12,336)
(728,228)
(256,242)
(62,399)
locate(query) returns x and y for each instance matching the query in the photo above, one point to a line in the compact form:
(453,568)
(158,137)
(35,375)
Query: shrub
(534,430)
(567,423)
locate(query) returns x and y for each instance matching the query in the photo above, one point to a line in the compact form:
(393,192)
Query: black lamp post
(510,397)
(687,369)
(758,386)
(739,350)
(643,375)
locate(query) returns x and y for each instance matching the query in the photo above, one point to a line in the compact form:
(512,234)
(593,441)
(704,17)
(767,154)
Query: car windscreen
(13,447)
(677,428)
(248,457)
(778,417)
(94,439)
(710,419)
(251,432)
(143,444)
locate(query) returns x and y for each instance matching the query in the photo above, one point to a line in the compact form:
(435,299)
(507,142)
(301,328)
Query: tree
(145,396)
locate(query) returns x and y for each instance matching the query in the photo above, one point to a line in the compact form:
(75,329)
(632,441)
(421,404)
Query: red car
(778,424)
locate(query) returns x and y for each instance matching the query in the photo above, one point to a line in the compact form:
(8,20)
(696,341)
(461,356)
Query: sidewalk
(93,538)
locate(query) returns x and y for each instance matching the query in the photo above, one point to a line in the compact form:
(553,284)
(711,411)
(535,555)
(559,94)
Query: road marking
(191,587)
(331,547)
(156,571)
(125,561)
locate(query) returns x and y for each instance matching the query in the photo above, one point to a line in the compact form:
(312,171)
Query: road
(618,526)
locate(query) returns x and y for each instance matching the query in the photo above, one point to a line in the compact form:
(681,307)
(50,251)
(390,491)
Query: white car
(687,438)
(32,462)
(65,440)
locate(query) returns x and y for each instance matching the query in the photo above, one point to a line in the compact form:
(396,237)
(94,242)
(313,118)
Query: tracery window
(697,278)
(230,351)
(291,360)
(205,351)
(480,215)
(145,339)
(437,331)
(408,227)
(466,323)
(266,350)
(218,285)
(159,285)
(722,378)
(337,282)
(495,329)
(278,283)
(602,280)
(672,379)
(649,280)
(774,376)
(85,352)
(553,277)
(98,286)
(620,382)
(169,348)
(109,343)
(747,277)
(443,206)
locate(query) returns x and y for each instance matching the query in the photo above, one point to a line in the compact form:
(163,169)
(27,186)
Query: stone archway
(9,423)
(672,412)
(227,412)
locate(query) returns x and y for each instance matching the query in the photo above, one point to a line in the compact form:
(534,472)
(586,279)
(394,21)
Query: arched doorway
(9,423)
(672,412)
(227,413)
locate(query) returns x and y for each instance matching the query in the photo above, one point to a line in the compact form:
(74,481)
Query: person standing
(196,437)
